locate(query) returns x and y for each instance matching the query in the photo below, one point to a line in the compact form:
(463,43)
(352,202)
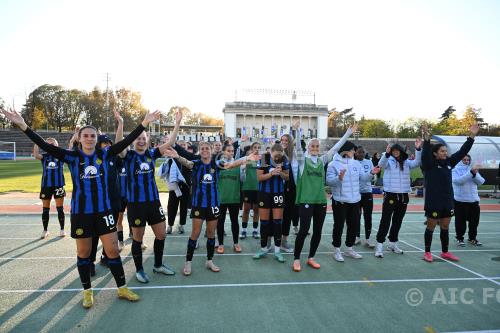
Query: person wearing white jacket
(465,180)
(344,176)
(396,166)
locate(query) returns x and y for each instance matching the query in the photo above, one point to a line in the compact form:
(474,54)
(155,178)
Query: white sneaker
(379,250)
(269,244)
(211,266)
(197,244)
(251,213)
(169,230)
(62,233)
(357,241)
(368,244)
(393,246)
(295,230)
(44,235)
(180,229)
(337,255)
(285,247)
(187,268)
(143,246)
(353,254)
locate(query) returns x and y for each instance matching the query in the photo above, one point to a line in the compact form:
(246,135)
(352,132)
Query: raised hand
(150,117)
(425,133)
(388,149)
(354,127)
(342,174)
(418,143)
(296,124)
(474,129)
(178,115)
(118,117)
(15,118)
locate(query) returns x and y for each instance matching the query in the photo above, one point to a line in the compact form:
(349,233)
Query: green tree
(375,128)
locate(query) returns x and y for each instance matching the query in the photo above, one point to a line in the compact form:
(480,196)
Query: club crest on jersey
(89,172)
(79,232)
(149,160)
(212,170)
(207,179)
(98,161)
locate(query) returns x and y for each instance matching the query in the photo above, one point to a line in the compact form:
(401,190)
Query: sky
(388,59)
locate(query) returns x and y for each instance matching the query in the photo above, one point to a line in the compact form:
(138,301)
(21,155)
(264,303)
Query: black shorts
(250,197)
(439,214)
(46,193)
(123,205)
(205,213)
(138,213)
(92,225)
(271,200)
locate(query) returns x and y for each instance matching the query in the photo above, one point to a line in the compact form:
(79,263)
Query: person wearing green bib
(229,199)
(250,190)
(309,173)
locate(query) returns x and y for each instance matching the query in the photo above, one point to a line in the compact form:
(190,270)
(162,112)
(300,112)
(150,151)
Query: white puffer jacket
(465,183)
(347,189)
(366,168)
(395,179)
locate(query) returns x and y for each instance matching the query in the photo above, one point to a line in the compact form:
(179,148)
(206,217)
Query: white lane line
(453,263)
(258,284)
(226,254)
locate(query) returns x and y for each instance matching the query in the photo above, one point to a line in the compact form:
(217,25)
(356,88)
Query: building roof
(274,106)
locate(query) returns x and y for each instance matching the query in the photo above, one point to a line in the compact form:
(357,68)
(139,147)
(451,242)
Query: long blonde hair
(289,149)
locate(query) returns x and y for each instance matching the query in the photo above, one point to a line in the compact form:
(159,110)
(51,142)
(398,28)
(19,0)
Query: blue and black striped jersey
(275,184)
(114,182)
(89,173)
(122,175)
(140,168)
(204,181)
(53,171)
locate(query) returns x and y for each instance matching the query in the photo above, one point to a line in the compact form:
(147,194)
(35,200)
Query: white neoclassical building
(258,119)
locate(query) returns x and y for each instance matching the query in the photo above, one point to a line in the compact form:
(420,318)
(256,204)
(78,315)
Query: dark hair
(226,145)
(85,127)
(436,147)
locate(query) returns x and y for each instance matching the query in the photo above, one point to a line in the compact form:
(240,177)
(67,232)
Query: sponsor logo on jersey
(89,173)
(207,179)
(51,165)
(144,168)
